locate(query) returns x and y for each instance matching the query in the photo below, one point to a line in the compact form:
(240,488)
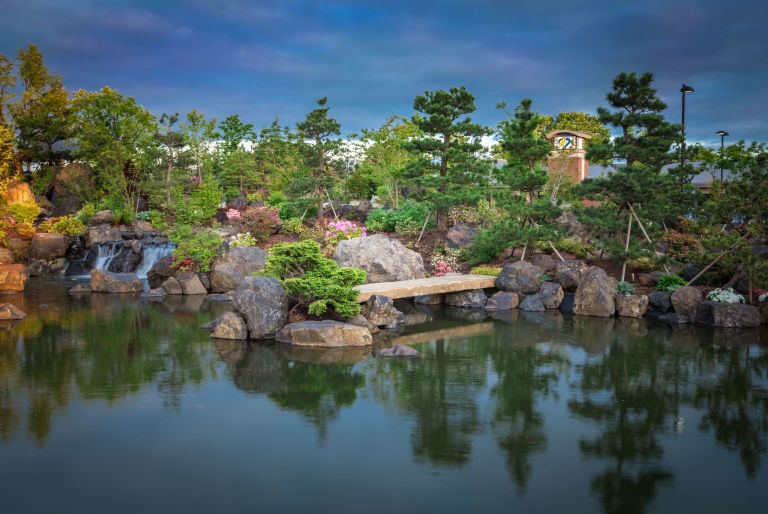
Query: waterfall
(105,254)
(151,254)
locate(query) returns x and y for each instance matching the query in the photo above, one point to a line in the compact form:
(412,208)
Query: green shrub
(276,198)
(491,271)
(24,212)
(573,246)
(625,288)
(201,205)
(293,226)
(409,217)
(201,247)
(85,213)
(670,283)
(67,225)
(313,280)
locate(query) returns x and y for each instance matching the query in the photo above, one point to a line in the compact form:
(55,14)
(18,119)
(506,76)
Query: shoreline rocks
(108,282)
(263,302)
(12,278)
(382,258)
(519,277)
(595,294)
(326,333)
(231,268)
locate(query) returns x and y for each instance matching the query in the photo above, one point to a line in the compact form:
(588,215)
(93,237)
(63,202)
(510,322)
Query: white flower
(762,298)
(725,296)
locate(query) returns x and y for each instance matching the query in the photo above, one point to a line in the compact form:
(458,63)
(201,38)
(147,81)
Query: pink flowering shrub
(340,230)
(233,214)
(260,221)
(442,267)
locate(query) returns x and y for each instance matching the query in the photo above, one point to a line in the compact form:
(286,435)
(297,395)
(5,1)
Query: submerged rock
(728,315)
(502,301)
(595,294)
(324,333)
(157,292)
(383,259)
(380,311)
(519,277)
(80,288)
(263,303)
(108,282)
(10,311)
(398,350)
(230,326)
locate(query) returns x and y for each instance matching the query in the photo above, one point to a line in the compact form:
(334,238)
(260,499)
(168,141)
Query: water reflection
(509,378)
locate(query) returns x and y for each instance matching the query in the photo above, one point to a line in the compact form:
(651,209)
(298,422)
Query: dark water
(112,404)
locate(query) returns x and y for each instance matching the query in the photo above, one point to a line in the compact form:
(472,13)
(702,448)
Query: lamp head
(722,133)
(686,89)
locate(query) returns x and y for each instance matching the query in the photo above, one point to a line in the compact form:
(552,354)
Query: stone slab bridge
(423,286)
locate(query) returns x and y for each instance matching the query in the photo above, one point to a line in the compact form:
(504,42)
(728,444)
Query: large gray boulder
(190,283)
(46,247)
(543,261)
(686,300)
(519,277)
(229,269)
(380,311)
(108,282)
(569,274)
(502,301)
(263,303)
(229,326)
(382,258)
(104,233)
(460,235)
(532,303)
(324,333)
(474,299)
(172,286)
(551,294)
(661,301)
(728,315)
(595,294)
(633,306)
(102,218)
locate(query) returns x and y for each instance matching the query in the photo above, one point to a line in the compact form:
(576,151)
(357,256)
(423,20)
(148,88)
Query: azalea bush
(233,215)
(727,295)
(261,222)
(340,230)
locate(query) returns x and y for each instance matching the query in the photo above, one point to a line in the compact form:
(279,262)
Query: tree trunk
(442,215)
(168,175)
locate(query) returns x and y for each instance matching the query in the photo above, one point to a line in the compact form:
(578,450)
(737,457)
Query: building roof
(576,133)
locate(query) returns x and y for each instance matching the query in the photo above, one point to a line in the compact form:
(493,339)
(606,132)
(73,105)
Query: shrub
(313,280)
(340,230)
(25,229)
(201,205)
(276,198)
(491,271)
(681,246)
(260,221)
(233,215)
(85,213)
(727,295)
(669,283)
(202,247)
(574,246)
(244,239)
(293,226)
(24,212)
(67,225)
(625,288)
(408,216)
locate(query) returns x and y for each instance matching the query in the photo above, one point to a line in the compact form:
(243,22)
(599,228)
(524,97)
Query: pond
(121,405)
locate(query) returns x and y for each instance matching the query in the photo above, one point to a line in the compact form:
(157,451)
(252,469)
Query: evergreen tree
(173,141)
(447,166)
(200,135)
(237,168)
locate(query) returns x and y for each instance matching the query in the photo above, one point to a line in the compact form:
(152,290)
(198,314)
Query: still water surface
(121,405)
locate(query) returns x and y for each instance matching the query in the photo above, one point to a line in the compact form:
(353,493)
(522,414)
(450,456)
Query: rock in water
(160,271)
(399,350)
(380,311)
(263,303)
(474,299)
(661,301)
(430,299)
(382,258)
(10,311)
(157,292)
(532,303)
(46,247)
(728,315)
(80,289)
(324,333)
(171,286)
(229,326)
(595,294)
(685,301)
(633,306)
(12,278)
(570,273)
(551,294)
(190,283)
(107,282)
(231,268)
(502,301)
(519,277)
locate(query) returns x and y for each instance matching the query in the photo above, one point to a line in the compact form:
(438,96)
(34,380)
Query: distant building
(569,154)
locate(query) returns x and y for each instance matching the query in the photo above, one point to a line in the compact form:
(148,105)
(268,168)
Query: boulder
(324,333)
(108,282)
(380,311)
(230,326)
(104,233)
(569,274)
(649,279)
(382,258)
(532,303)
(544,262)
(230,268)
(142,226)
(190,283)
(595,294)
(460,235)
(12,278)
(10,311)
(430,299)
(57,265)
(519,277)
(263,303)
(685,301)
(35,268)
(728,315)
(126,261)
(474,299)
(661,301)
(398,350)
(674,318)
(105,217)
(136,246)
(48,246)
(219,297)
(632,306)
(160,271)
(172,286)
(362,321)
(551,294)
(502,301)
(6,256)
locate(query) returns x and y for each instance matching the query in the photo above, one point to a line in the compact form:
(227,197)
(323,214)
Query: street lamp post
(684,90)
(722,134)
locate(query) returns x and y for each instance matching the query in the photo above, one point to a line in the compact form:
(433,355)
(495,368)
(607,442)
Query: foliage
(313,280)
(244,239)
(86,212)
(669,283)
(681,246)
(201,247)
(293,226)
(409,214)
(481,214)
(625,288)
(24,212)
(580,122)
(199,206)
(491,271)
(276,199)
(260,221)
(67,225)
(727,295)
(7,156)
(573,246)
(339,230)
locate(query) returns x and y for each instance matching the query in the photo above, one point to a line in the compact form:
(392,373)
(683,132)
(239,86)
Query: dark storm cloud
(267,59)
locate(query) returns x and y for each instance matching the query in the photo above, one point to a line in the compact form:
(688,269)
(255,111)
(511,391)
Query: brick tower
(569,154)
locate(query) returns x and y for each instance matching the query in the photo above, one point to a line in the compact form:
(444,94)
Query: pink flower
(233,214)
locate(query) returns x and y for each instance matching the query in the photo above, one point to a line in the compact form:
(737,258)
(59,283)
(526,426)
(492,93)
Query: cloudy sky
(263,59)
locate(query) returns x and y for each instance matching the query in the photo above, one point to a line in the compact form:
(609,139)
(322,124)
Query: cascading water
(151,254)
(105,253)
